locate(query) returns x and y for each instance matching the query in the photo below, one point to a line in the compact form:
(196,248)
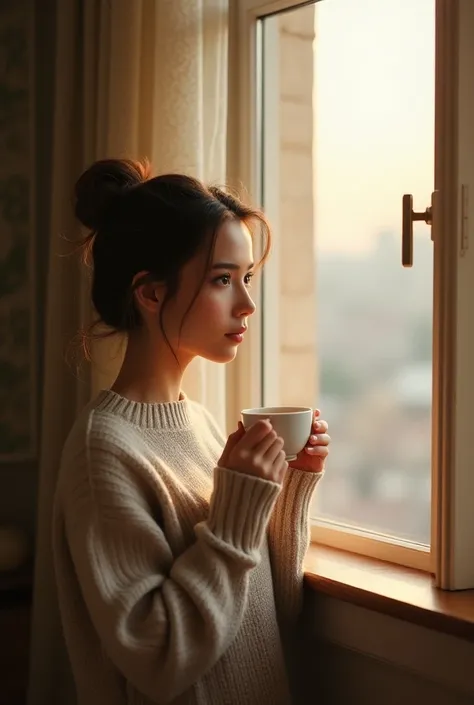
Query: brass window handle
(409,217)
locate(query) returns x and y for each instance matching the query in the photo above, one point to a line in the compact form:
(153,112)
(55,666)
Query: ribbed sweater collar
(166,416)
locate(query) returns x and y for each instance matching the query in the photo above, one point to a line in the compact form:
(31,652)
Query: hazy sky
(374,116)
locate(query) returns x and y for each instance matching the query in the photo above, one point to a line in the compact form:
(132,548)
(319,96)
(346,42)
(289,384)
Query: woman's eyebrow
(229,265)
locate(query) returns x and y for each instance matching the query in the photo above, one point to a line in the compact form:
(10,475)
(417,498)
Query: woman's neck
(149,373)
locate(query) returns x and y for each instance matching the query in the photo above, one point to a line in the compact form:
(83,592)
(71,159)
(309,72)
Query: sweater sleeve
(163,620)
(289,536)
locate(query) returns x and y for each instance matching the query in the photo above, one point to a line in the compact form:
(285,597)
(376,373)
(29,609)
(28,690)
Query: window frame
(449,557)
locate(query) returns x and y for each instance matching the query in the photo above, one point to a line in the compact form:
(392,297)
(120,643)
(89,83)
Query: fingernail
(313,439)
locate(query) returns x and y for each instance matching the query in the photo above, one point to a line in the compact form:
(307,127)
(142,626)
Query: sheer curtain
(141,78)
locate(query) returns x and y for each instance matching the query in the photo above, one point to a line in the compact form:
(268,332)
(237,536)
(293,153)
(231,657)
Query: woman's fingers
(232,441)
(256,433)
(320,426)
(320,439)
(274,450)
(318,445)
(265,444)
(319,451)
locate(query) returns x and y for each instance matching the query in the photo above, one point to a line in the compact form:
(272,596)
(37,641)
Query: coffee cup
(292,423)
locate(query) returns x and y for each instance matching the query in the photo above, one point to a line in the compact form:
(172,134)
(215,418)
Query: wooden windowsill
(393,590)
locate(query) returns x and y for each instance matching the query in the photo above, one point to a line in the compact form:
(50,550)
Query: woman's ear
(148,294)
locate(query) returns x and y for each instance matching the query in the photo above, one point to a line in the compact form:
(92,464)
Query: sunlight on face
(215,324)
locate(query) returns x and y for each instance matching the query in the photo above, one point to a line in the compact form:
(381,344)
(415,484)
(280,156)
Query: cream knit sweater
(178,581)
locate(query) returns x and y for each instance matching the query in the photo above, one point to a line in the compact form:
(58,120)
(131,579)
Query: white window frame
(451,558)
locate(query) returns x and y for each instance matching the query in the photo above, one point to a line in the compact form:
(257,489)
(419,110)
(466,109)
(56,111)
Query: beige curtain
(133,78)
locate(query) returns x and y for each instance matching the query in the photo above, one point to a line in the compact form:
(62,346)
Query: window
(339,118)
(354,333)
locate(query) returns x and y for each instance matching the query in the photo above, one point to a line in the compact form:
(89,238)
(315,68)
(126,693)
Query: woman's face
(215,325)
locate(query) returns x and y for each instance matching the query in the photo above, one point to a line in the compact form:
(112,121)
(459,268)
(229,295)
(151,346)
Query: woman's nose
(246,306)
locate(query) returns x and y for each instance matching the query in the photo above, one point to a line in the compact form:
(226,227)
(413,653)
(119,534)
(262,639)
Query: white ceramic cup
(292,423)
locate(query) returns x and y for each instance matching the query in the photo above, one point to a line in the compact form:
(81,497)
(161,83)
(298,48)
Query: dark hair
(155,225)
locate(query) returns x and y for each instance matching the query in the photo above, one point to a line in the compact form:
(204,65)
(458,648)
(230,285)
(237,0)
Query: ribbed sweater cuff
(299,487)
(240,508)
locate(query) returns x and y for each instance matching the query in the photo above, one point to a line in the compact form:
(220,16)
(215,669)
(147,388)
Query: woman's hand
(314,454)
(258,451)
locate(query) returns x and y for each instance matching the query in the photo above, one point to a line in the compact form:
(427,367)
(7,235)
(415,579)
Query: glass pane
(347,129)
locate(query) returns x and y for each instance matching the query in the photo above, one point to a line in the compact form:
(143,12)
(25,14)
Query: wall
(288,197)
(35,23)
(361,657)
(296,222)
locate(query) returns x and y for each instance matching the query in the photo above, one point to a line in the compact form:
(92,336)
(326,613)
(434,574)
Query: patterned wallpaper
(17,289)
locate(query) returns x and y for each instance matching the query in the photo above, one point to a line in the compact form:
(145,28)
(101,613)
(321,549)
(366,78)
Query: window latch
(409,216)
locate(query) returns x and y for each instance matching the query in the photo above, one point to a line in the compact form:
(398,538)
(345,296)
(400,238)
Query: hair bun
(98,187)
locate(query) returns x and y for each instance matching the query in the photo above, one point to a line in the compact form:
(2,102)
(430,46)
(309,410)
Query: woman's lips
(235,337)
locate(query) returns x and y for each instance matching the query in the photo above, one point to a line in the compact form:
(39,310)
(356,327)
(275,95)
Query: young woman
(178,554)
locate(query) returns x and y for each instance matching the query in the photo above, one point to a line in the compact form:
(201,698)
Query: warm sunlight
(374,108)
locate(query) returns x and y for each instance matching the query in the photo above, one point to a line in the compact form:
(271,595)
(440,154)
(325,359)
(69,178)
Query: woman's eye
(225,279)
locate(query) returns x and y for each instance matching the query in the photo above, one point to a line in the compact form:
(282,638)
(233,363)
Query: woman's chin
(221,356)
